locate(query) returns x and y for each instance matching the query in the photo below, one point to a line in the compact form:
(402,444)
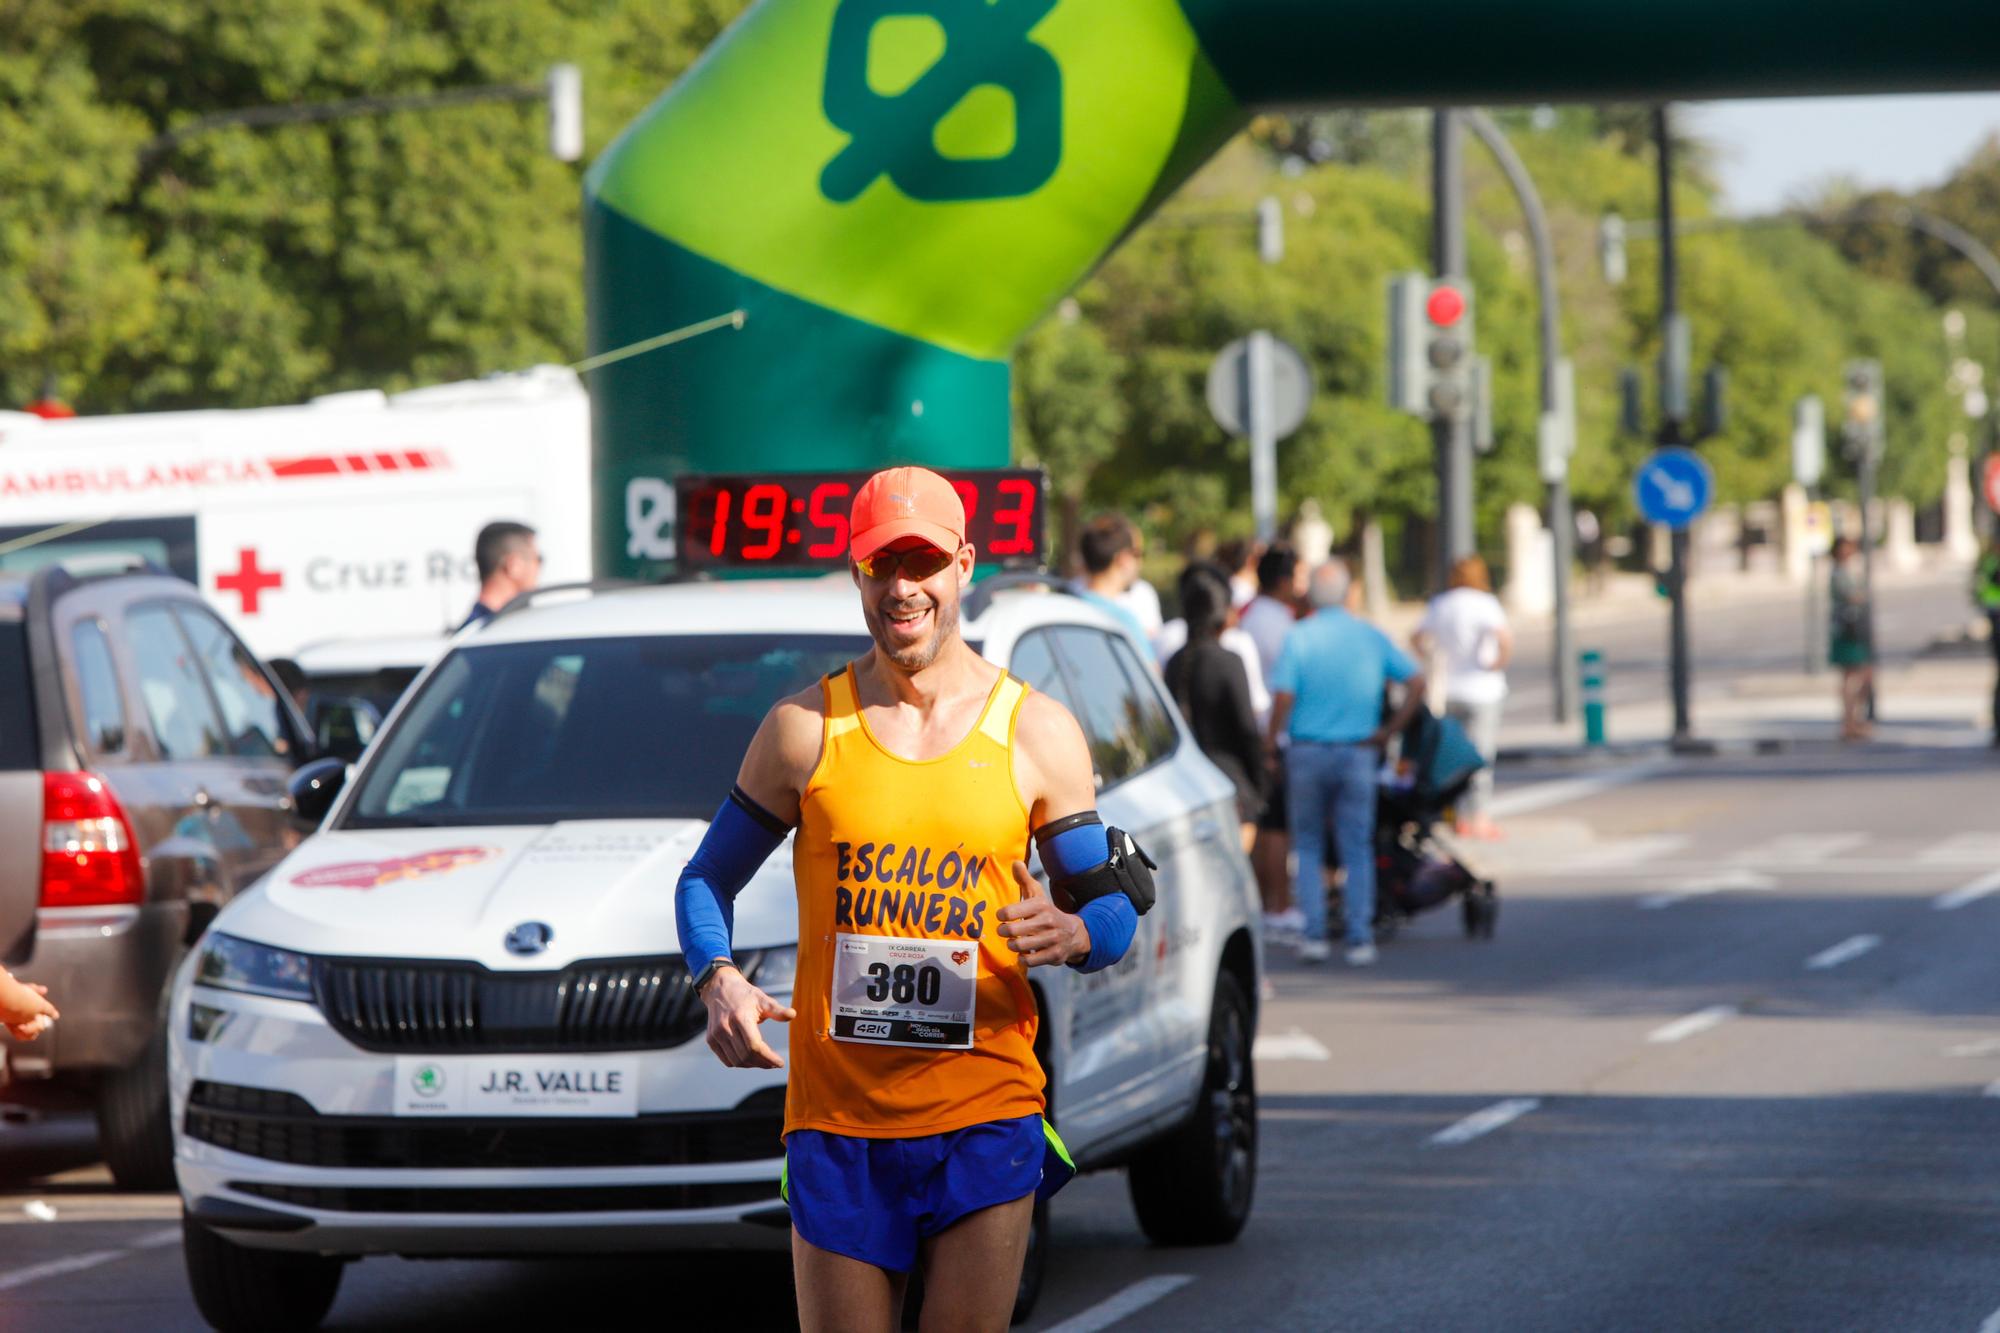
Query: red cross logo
(249,582)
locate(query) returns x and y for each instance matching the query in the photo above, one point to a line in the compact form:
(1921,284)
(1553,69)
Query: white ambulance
(352,515)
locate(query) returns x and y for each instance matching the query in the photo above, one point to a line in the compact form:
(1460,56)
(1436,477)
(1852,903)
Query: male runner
(913,1113)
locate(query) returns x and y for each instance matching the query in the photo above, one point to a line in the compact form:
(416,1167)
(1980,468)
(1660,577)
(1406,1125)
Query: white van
(353,515)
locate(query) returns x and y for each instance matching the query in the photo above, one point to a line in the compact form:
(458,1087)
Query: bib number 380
(901,992)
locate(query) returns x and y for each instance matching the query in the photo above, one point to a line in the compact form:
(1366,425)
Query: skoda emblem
(529,938)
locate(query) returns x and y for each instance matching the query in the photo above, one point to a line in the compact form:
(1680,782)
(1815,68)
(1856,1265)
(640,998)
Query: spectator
(1109,549)
(1327,699)
(1467,627)
(1174,635)
(1212,687)
(1986,596)
(510,563)
(293,677)
(1851,649)
(1267,619)
(1239,555)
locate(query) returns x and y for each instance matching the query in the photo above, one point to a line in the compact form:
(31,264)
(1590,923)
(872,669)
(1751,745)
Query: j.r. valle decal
(374,874)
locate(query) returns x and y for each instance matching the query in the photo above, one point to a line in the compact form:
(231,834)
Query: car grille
(561,1199)
(614,1005)
(282,1127)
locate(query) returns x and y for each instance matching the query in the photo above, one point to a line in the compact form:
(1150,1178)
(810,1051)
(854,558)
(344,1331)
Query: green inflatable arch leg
(893,191)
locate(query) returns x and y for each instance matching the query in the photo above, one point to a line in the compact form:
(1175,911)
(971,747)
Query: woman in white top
(1467,628)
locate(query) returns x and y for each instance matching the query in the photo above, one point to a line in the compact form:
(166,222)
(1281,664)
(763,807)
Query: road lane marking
(1623,852)
(1562,791)
(1844,952)
(1976,848)
(1993,1088)
(1729,881)
(1800,849)
(77,1263)
(1969,893)
(1126,1303)
(1700,1021)
(1292,1045)
(1484,1122)
(1992,1324)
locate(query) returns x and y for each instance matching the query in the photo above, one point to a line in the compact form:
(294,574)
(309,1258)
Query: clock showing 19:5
(792,519)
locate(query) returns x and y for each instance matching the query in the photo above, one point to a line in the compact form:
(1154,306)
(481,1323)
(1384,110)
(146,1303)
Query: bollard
(1593,696)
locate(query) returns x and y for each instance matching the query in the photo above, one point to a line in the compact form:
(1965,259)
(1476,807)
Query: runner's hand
(735,1009)
(1037,929)
(24,1009)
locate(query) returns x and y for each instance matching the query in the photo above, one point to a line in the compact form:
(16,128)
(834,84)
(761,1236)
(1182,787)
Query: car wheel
(1195,1186)
(243,1290)
(135,1122)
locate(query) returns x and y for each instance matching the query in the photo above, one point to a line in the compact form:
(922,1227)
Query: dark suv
(143,760)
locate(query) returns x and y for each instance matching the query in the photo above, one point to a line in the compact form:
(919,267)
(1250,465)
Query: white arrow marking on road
(1973,1048)
(1844,952)
(1800,849)
(76,1263)
(1484,1122)
(1730,881)
(1977,848)
(1562,791)
(1293,1045)
(1970,893)
(1127,1302)
(1683,1028)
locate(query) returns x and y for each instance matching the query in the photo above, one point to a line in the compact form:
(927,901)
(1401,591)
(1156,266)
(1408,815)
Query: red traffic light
(1446,306)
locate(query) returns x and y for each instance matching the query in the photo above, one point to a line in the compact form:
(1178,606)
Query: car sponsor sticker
(517,1085)
(374,874)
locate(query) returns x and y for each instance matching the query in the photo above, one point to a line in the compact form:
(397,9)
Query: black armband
(749,806)
(1125,869)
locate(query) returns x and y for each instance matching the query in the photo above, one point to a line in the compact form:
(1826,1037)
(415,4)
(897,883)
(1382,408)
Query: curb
(1627,750)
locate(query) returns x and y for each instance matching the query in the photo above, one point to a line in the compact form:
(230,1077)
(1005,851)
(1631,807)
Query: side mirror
(342,727)
(314,786)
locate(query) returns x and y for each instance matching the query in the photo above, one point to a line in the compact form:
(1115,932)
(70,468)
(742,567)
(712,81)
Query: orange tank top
(914,1017)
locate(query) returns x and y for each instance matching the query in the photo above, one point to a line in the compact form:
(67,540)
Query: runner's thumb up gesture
(1038,930)
(735,1010)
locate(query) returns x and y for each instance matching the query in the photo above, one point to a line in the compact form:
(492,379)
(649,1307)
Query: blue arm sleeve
(739,839)
(1111,920)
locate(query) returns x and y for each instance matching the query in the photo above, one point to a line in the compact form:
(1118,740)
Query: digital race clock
(788,519)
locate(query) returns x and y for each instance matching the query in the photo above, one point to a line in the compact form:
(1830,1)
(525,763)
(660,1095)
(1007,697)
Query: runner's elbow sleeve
(1112,922)
(739,839)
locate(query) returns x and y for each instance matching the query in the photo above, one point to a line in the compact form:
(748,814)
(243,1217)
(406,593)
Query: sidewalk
(1933,701)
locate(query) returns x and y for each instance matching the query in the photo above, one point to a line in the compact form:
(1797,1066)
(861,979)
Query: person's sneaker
(1314,951)
(1361,955)
(1292,921)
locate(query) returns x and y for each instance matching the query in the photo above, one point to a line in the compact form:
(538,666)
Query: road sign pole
(1451,433)
(1866,478)
(1673,406)
(1263,436)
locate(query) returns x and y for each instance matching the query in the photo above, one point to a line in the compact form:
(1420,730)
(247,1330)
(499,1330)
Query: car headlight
(228,963)
(775,969)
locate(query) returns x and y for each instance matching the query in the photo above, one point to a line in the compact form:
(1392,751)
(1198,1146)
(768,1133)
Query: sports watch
(708,973)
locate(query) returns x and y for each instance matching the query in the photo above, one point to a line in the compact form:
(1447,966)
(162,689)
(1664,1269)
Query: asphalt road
(1733,1061)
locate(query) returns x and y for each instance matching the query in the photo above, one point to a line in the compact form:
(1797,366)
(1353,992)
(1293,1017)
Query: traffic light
(1431,363)
(1632,403)
(1863,397)
(1714,403)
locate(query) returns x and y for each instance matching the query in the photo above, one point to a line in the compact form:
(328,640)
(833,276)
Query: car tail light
(89,857)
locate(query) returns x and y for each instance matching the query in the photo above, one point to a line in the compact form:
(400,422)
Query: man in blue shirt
(1326,694)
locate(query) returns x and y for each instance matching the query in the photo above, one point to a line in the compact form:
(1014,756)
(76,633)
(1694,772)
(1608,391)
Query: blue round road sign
(1673,486)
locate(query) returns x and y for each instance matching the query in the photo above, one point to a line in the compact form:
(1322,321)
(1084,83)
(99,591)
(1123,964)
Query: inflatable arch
(893,191)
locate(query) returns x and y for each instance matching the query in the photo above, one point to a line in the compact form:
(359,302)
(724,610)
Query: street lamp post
(1557,415)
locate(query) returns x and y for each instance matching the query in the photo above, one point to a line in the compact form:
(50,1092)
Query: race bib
(898,992)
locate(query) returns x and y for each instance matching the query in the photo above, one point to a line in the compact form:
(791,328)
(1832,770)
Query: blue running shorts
(875,1199)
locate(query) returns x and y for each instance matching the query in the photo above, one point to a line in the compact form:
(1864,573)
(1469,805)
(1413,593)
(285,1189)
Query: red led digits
(1020,517)
(718,536)
(828,510)
(764,511)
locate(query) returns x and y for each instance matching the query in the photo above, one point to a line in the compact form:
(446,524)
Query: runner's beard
(913,657)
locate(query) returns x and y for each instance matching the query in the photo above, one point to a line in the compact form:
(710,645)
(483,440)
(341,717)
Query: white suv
(456,1019)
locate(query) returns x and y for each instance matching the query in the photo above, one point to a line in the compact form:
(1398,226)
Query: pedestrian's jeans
(1333,783)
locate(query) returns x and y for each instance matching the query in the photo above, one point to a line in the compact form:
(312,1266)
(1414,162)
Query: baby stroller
(1413,871)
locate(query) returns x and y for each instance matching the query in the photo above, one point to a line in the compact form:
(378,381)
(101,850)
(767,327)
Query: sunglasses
(917,564)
